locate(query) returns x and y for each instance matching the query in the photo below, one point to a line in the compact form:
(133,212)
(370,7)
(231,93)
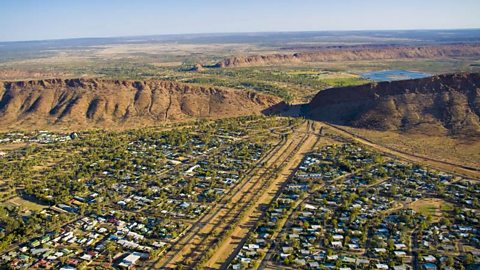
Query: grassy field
(455,150)
(435,208)
(25,204)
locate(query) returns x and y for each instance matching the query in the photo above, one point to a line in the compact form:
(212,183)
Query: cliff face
(350,54)
(446,104)
(89,103)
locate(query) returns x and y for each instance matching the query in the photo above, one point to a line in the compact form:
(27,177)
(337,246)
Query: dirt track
(438,164)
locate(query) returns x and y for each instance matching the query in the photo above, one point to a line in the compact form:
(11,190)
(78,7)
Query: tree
(110,247)
(338,263)
(334,223)
(468,259)
(450,261)
(391,245)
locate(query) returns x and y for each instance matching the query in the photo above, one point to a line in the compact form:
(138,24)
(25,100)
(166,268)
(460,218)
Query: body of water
(393,75)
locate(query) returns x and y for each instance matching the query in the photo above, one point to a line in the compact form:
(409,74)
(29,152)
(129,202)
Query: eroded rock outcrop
(360,53)
(89,103)
(445,104)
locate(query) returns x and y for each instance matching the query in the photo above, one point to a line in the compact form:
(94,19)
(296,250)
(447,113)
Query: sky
(59,19)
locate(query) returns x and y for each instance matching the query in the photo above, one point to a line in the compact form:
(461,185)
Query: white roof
(86,257)
(132,258)
(429,258)
(129,260)
(309,206)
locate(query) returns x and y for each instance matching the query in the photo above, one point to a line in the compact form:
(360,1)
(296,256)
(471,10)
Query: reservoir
(393,75)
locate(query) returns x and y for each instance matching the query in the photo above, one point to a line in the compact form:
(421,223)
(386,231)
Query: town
(125,198)
(240,135)
(349,208)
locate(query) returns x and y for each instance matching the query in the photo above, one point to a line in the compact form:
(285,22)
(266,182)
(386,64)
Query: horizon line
(239,32)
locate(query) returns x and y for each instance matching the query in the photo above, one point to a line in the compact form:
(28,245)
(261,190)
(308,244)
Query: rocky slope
(360,53)
(91,103)
(446,104)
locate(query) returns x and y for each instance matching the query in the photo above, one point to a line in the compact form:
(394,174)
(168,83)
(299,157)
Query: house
(300,262)
(337,244)
(338,237)
(348,260)
(353,246)
(363,261)
(399,253)
(293,236)
(190,171)
(42,264)
(130,261)
(429,259)
(246,260)
(86,257)
(380,250)
(332,258)
(185,205)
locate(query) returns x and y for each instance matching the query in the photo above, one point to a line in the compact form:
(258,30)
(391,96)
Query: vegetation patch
(431,207)
(26,204)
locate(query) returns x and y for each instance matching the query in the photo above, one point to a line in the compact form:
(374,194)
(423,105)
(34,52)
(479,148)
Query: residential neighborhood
(130,197)
(349,208)
(128,200)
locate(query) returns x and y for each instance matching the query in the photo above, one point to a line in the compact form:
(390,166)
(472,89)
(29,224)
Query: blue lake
(393,75)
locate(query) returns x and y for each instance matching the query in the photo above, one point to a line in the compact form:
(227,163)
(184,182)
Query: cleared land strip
(239,208)
(191,232)
(455,169)
(191,248)
(229,248)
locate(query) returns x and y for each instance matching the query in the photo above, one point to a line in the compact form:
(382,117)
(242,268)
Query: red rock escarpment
(448,104)
(350,54)
(98,103)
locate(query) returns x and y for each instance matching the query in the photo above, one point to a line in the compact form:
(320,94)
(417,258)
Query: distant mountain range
(352,53)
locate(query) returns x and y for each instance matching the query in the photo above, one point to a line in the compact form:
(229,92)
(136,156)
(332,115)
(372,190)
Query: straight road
(191,249)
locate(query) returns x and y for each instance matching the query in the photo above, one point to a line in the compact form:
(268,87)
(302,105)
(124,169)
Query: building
(130,261)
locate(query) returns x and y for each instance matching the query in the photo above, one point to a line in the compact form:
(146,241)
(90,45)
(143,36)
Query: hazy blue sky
(51,19)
